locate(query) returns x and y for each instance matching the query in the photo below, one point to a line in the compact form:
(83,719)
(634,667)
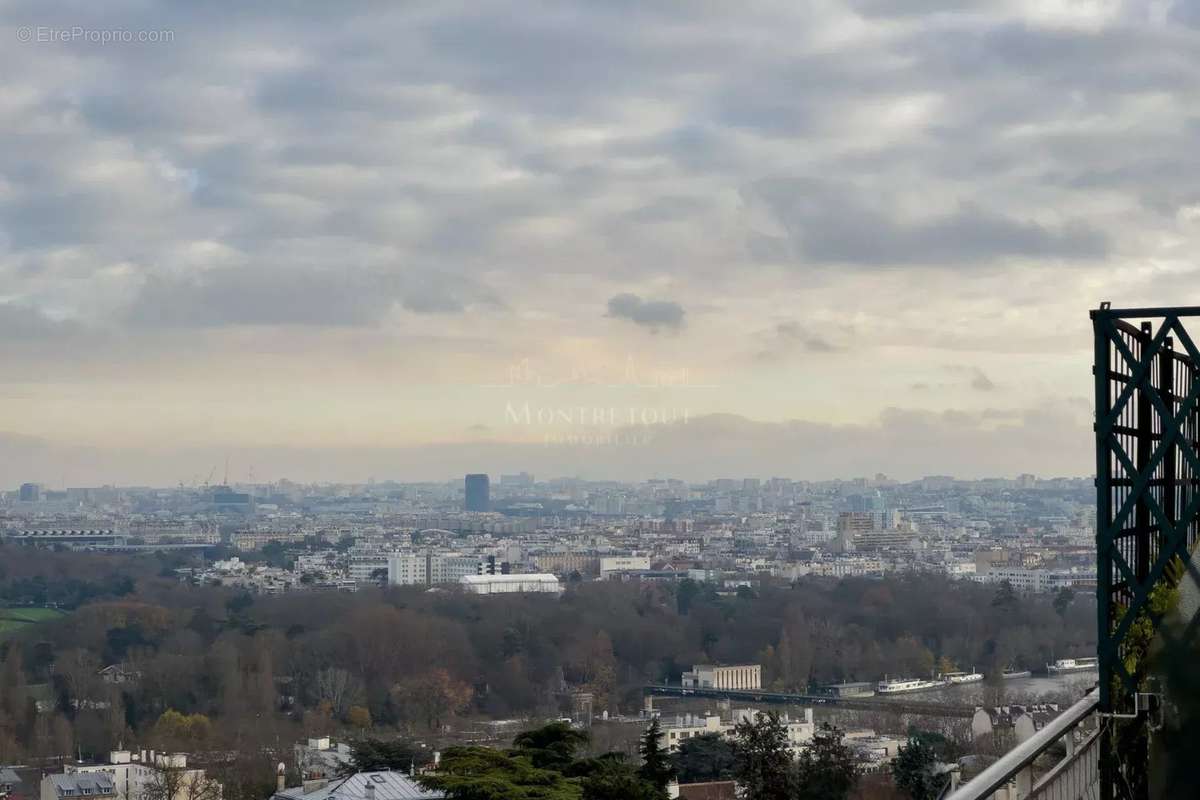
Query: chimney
(370,790)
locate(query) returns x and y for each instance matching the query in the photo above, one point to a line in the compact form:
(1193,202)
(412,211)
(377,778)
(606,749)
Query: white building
(535,583)
(429,569)
(677,730)
(712,676)
(845,567)
(133,774)
(610,564)
(1034,580)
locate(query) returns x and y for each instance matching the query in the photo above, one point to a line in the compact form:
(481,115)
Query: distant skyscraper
(522,480)
(30,492)
(478,498)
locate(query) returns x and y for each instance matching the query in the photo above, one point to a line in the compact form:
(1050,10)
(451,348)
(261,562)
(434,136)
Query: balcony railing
(1075,777)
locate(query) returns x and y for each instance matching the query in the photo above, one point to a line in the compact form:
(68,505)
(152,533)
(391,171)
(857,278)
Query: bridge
(897,705)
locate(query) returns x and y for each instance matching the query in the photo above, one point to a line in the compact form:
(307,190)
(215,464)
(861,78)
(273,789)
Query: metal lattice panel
(1147,481)
(1147,465)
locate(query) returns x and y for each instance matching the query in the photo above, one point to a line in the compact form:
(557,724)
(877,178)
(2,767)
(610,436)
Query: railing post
(1101,367)
(1024,783)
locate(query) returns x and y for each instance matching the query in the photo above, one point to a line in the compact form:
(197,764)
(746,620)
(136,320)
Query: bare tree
(339,687)
(180,783)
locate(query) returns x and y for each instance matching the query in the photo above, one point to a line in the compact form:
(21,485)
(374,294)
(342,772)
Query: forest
(210,669)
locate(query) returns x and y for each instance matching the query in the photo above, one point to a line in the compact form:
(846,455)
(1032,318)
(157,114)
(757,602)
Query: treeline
(417,660)
(31,577)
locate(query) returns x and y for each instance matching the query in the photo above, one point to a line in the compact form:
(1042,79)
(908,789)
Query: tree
(482,773)
(175,782)
(551,746)
(684,595)
(946,665)
(1063,599)
(614,779)
(1006,598)
(359,717)
(912,770)
(656,768)
(826,768)
(709,757)
(380,755)
(239,603)
(763,760)
(433,696)
(341,688)
(181,732)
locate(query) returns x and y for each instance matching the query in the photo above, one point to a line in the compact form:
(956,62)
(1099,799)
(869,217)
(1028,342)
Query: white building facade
(677,730)
(535,583)
(712,676)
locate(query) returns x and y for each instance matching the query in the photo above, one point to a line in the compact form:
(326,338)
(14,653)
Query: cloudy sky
(409,240)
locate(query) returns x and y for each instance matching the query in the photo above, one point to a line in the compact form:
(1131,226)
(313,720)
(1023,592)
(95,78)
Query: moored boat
(1066,665)
(901,685)
(963,677)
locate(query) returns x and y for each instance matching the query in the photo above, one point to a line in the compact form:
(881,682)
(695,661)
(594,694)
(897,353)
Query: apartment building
(677,730)
(430,569)
(135,775)
(734,676)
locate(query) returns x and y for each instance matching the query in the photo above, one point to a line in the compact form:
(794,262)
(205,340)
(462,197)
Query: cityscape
(137,556)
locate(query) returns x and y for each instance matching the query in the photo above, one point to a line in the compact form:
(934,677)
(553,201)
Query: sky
(618,239)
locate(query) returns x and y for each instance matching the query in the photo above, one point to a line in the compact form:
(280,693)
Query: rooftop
(82,783)
(387,786)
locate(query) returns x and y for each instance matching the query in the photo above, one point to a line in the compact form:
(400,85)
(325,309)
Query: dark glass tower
(477,491)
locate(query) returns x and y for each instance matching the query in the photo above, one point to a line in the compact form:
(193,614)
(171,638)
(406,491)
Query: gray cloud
(981,382)
(833,223)
(296,296)
(23,322)
(653,314)
(787,339)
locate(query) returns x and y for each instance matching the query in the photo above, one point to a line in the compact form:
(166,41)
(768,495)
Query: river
(1038,688)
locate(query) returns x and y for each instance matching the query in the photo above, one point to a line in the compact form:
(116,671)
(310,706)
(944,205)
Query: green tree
(614,779)
(826,768)
(656,768)
(1006,597)
(1063,599)
(381,755)
(684,595)
(551,746)
(912,770)
(708,757)
(482,773)
(763,760)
